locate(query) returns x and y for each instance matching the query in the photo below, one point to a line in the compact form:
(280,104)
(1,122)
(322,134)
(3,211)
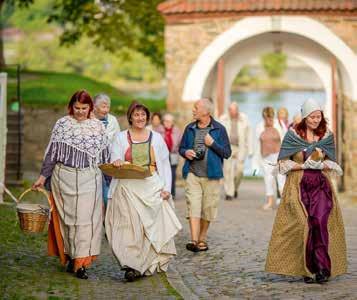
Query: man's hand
(208,140)
(190,154)
(165,195)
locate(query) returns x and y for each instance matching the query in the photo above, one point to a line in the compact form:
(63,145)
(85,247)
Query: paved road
(233,267)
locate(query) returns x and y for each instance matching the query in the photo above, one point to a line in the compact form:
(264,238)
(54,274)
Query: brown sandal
(192,246)
(202,246)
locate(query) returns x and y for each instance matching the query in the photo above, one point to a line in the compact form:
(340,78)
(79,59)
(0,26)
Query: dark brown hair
(83,97)
(156,114)
(137,105)
(320,131)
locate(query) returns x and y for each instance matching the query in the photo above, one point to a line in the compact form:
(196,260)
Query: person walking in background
(110,122)
(101,112)
(268,141)
(296,120)
(240,136)
(172,136)
(308,237)
(78,144)
(204,145)
(140,222)
(283,120)
(156,123)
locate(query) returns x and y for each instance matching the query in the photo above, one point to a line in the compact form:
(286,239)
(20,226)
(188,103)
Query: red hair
(83,97)
(320,131)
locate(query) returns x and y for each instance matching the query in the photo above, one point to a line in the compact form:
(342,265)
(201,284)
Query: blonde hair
(284,111)
(268,112)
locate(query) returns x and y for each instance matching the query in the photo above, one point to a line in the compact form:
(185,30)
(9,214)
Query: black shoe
(192,246)
(70,266)
(322,277)
(308,280)
(229,198)
(82,273)
(130,275)
(235,194)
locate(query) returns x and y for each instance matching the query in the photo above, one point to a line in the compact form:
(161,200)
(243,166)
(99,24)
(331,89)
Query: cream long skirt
(140,226)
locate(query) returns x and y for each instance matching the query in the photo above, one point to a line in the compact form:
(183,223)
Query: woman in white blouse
(140,221)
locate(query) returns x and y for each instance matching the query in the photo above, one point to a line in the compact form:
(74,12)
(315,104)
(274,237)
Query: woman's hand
(165,195)
(39,183)
(117,163)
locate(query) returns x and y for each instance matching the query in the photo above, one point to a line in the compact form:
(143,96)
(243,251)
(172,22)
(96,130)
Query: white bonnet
(309,106)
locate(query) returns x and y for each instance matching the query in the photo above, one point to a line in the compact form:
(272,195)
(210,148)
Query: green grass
(170,289)
(51,89)
(24,265)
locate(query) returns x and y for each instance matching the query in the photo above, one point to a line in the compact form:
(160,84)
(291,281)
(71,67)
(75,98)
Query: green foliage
(274,64)
(113,25)
(39,49)
(43,52)
(28,20)
(244,77)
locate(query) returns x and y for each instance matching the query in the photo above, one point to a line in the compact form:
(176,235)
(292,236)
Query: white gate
(3,131)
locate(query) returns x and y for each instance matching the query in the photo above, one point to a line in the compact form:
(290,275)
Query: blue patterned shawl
(292,143)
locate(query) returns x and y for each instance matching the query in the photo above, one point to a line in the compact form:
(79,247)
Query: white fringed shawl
(86,140)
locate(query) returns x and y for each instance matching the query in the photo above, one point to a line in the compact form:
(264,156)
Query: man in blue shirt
(204,145)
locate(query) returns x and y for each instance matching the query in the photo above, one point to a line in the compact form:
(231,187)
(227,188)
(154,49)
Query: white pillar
(3,131)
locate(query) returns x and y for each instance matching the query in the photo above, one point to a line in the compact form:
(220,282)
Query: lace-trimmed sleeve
(285,166)
(334,167)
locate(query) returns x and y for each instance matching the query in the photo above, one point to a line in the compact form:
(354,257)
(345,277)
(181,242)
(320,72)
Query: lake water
(253,102)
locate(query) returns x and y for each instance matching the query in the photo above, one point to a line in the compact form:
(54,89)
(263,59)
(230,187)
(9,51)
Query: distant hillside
(52,89)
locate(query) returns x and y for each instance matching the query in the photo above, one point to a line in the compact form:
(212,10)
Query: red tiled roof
(171,7)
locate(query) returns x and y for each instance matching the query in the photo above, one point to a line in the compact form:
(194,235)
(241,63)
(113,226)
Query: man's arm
(184,143)
(224,150)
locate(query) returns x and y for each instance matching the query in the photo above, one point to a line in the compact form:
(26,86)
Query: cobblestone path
(238,240)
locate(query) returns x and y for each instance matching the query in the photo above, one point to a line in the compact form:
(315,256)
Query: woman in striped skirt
(78,144)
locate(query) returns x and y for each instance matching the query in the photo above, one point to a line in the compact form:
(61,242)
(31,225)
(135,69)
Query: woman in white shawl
(140,222)
(78,143)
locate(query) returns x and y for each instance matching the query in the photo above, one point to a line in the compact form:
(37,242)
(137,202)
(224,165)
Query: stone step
(13,148)
(15,126)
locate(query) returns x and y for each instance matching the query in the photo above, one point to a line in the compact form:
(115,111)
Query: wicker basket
(33,217)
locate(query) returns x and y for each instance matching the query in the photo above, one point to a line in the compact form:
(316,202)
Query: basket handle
(43,191)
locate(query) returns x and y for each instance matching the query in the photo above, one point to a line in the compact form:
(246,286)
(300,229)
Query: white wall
(313,32)
(3,131)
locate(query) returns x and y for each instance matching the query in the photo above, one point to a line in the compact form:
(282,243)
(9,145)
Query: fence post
(3,131)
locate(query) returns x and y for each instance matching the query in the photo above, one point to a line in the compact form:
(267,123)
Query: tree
(113,25)
(13,4)
(274,64)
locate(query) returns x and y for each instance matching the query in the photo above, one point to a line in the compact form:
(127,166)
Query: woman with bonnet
(308,237)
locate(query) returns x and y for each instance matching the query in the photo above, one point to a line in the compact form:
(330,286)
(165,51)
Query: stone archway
(312,55)
(314,33)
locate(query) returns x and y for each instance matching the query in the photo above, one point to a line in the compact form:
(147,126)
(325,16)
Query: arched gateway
(207,43)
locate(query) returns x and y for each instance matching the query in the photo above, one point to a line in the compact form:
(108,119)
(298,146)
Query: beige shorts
(202,197)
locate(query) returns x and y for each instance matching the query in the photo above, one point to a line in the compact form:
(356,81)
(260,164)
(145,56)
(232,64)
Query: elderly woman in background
(78,144)
(308,237)
(266,155)
(101,112)
(140,222)
(172,136)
